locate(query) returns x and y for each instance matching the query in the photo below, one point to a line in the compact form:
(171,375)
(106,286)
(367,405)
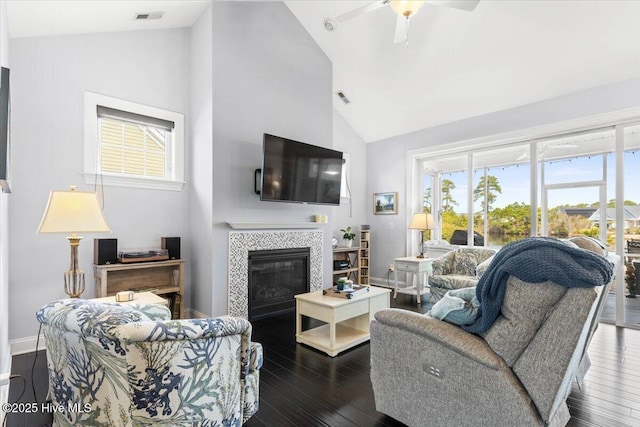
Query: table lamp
(73,212)
(422,222)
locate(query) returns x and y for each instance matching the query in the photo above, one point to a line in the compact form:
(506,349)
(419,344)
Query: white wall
(387,159)
(268,76)
(49,77)
(5,353)
(201,174)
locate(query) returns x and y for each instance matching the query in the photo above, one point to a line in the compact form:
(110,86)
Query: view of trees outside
(507,198)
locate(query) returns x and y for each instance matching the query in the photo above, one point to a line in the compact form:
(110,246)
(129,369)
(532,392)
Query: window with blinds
(132,144)
(127,144)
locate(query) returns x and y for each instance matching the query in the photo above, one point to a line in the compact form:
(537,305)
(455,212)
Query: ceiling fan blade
(362,10)
(402,30)
(468,5)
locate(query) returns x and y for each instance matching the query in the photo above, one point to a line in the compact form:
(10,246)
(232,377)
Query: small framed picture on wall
(385,203)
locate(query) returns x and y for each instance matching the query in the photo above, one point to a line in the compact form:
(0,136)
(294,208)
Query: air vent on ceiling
(150,15)
(343,97)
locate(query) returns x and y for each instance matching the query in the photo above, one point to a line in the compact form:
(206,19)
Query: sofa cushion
(590,244)
(524,308)
(482,267)
(458,306)
(467,259)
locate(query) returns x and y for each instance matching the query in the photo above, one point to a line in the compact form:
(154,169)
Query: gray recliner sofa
(426,372)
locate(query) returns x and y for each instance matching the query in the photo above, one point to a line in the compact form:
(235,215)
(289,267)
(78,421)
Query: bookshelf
(349,256)
(364,252)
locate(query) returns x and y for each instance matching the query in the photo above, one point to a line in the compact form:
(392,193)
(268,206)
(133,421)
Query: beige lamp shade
(422,221)
(406,8)
(73,212)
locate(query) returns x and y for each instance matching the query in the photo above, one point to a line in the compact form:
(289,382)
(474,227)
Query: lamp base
(420,256)
(74,283)
(74,277)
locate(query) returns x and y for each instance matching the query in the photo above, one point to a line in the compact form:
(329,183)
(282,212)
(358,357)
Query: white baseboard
(197,315)
(26,345)
(382,281)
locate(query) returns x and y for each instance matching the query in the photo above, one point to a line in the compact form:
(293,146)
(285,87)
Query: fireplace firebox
(275,277)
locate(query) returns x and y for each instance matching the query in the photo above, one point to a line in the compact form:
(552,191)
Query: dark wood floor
(300,386)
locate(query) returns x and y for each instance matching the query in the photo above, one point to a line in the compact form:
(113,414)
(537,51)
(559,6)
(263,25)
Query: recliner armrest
(453,337)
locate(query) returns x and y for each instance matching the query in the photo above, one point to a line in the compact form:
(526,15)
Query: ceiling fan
(405,10)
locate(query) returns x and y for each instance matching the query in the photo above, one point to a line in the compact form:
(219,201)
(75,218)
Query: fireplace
(275,277)
(241,243)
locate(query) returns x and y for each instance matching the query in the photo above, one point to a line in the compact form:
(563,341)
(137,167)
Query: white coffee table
(347,319)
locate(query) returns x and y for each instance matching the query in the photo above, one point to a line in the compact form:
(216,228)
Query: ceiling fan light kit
(406,8)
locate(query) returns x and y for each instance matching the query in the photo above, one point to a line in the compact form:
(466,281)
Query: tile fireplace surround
(241,242)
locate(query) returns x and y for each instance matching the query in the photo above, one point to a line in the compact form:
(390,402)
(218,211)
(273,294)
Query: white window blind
(132,144)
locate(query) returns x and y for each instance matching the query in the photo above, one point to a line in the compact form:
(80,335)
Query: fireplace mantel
(271,225)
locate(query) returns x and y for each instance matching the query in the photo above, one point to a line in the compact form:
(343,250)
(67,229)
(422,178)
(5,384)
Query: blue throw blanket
(536,260)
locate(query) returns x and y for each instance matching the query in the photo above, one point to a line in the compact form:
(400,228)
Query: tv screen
(296,172)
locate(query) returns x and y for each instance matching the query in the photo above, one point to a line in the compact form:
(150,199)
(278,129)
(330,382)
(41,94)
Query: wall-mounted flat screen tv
(296,172)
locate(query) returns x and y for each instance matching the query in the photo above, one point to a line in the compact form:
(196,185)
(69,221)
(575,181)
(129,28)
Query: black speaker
(172,244)
(105,251)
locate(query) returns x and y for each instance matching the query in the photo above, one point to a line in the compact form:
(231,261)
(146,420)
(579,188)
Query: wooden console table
(160,277)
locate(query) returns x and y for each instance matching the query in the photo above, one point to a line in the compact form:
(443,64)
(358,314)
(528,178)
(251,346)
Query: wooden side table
(420,268)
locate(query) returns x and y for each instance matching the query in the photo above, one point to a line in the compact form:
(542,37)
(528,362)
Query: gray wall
(201,153)
(49,77)
(268,76)
(5,353)
(387,159)
(353,213)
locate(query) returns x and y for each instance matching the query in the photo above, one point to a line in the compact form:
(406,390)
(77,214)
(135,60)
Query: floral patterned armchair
(117,365)
(458,269)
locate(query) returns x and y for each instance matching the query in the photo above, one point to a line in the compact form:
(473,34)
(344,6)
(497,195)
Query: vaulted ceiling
(456,65)
(462,64)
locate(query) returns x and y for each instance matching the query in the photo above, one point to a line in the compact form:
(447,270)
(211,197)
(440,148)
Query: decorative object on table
(353,292)
(124,296)
(73,212)
(340,283)
(334,243)
(385,203)
(347,236)
(321,219)
(422,222)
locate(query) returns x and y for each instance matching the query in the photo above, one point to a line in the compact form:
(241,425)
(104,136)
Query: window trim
(91,132)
